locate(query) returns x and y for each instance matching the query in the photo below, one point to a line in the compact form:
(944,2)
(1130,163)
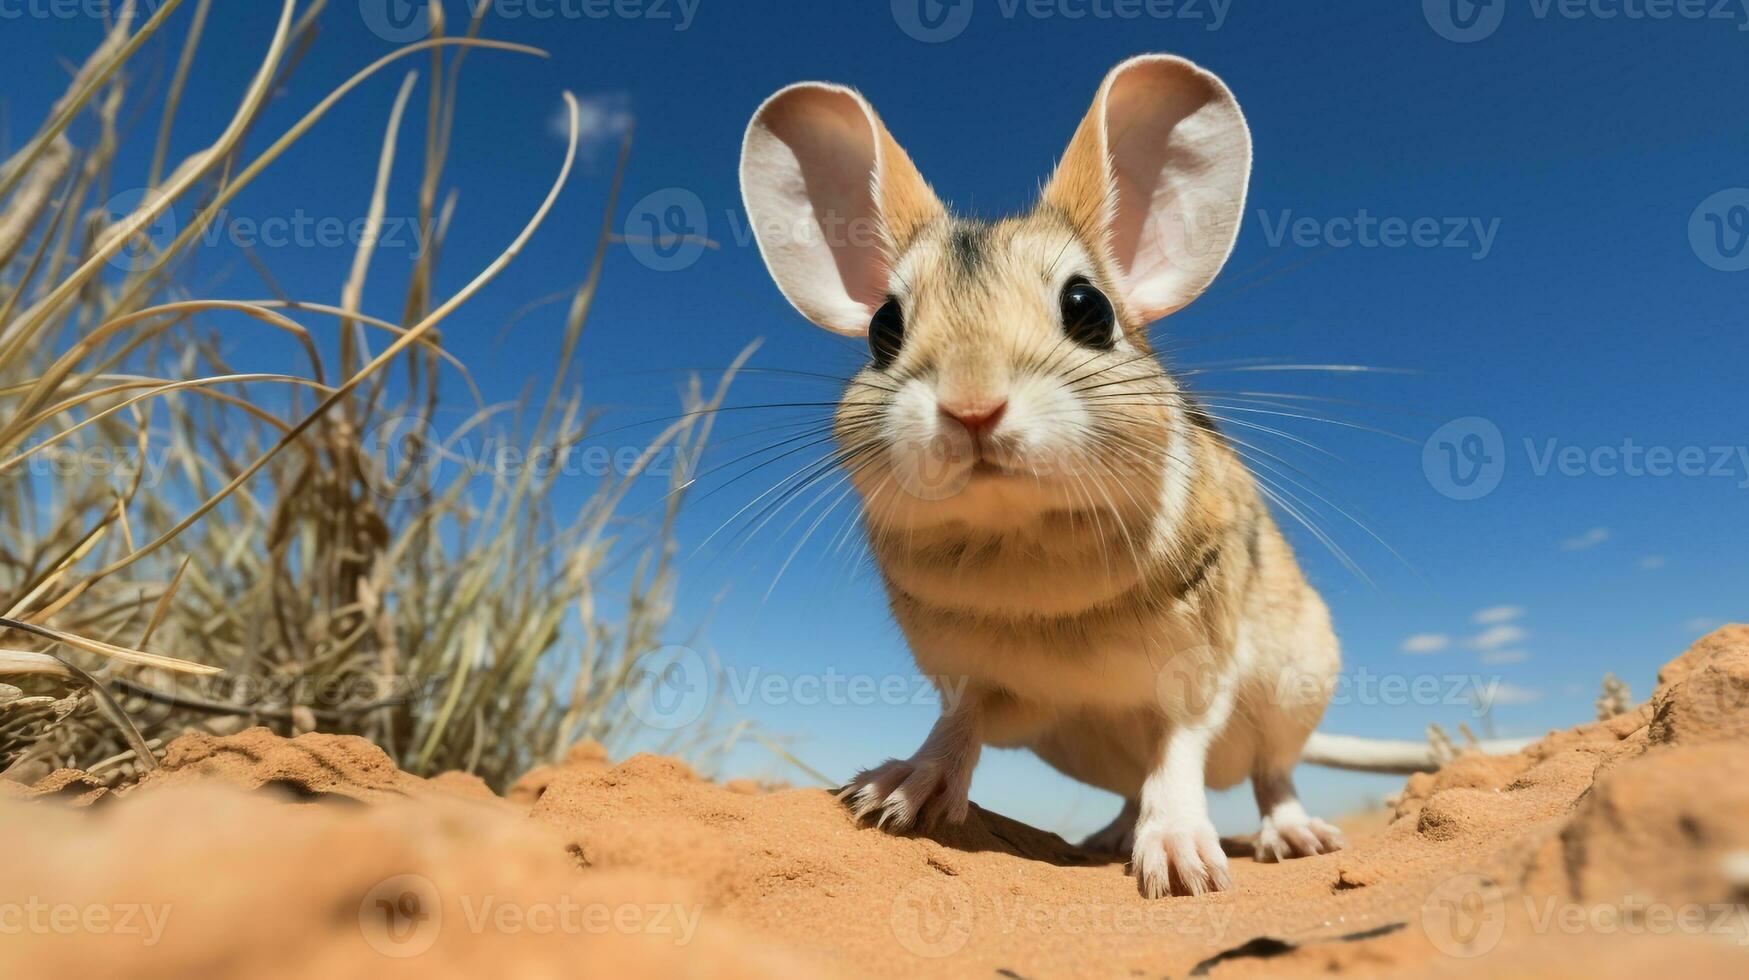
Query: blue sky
(1533,210)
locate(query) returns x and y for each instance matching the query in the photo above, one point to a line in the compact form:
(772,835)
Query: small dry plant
(295,561)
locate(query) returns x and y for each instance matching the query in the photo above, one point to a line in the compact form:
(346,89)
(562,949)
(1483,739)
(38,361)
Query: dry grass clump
(296,560)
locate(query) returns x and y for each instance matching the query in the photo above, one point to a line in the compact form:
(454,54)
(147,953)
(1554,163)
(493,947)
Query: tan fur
(907,204)
(1048,590)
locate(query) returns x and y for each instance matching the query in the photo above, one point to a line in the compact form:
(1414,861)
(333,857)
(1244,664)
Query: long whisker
(755,501)
(822,469)
(1345,423)
(1248,366)
(1278,497)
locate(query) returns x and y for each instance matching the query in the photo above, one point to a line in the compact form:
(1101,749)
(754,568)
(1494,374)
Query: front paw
(1294,837)
(1179,860)
(905,793)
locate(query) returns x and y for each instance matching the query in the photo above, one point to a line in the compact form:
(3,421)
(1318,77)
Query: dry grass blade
(137,657)
(18,662)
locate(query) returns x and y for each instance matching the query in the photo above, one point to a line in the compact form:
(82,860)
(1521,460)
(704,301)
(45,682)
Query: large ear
(831,198)
(1157,174)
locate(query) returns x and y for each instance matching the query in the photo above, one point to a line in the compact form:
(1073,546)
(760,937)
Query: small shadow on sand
(987,830)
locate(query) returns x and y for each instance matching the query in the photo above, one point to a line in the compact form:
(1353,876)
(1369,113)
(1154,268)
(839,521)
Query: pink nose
(978,419)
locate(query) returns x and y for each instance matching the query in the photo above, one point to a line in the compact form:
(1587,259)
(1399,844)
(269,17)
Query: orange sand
(1611,849)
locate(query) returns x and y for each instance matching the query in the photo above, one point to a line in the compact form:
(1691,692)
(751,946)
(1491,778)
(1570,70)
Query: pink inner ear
(834,149)
(1142,109)
(1134,224)
(1180,157)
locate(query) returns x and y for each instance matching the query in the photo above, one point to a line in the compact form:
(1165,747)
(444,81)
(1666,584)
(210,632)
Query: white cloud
(1425,643)
(1498,657)
(1498,614)
(1496,637)
(1702,624)
(601,121)
(1652,563)
(1590,539)
(1507,693)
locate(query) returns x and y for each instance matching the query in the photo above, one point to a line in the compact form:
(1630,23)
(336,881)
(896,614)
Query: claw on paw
(1179,862)
(1282,840)
(902,794)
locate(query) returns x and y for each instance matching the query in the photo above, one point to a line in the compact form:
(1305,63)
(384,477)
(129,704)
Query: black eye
(1088,318)
(886,333)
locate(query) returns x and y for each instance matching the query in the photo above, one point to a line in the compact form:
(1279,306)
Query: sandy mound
(1611,849)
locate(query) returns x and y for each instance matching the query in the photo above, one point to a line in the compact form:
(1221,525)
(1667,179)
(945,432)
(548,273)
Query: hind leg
(1288,830)
(1301,664)
(1119,836)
